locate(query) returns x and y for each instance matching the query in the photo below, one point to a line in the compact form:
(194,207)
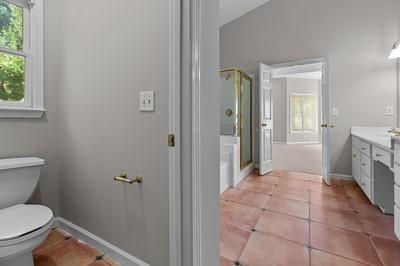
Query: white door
(265,121)
(325,126)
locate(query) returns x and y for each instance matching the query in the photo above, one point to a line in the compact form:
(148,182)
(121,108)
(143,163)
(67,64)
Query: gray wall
(279,97)
(37,137)
(297,85)
(108,57)
(356,36)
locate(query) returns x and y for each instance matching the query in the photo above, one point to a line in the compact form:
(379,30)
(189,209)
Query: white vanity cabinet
(361,165)
(397,187)
(376,168)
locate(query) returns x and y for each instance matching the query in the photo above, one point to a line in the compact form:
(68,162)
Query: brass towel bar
(123,177)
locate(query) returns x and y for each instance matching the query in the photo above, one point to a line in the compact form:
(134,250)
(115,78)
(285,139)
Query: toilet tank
(18,179)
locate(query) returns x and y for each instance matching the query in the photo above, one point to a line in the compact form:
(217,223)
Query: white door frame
(194,161)
(324,61)
(174,128)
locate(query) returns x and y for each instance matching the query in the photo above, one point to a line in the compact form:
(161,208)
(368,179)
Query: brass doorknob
(326,126)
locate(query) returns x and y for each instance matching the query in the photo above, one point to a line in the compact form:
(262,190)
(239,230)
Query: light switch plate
(335,111)
(147,101)
(389,110)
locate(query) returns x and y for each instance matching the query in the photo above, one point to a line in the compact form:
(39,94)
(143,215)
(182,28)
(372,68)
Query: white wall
(279,98)
(356,36)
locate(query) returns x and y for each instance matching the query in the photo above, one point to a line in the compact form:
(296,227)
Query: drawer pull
(363,164)
(363,148)
(354,156)
(378,155)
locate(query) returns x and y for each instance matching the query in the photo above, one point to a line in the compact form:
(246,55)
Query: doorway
(293,115)
(297,115)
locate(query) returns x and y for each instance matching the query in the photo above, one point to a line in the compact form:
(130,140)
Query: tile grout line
(56,242)
(374,247)
(309,220)
(309,229)
(343,257)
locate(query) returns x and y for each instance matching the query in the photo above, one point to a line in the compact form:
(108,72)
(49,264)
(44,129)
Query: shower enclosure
(236,110)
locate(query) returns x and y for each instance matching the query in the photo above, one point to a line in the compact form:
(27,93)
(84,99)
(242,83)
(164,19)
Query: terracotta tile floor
(60,249)
(288,218)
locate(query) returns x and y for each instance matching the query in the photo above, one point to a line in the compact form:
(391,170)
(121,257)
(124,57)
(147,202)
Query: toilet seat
(20,220)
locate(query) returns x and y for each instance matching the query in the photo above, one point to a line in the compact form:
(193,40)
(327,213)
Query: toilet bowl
(23,227)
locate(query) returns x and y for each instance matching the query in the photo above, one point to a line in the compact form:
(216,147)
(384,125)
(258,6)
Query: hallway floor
(305,158)
(288,218)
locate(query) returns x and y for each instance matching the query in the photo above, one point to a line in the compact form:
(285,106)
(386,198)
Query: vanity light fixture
(396,51)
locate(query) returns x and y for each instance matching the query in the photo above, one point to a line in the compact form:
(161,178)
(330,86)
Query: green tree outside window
(12,67)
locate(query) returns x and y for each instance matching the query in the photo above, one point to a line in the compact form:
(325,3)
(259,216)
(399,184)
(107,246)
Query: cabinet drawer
(356,143)
(382,156)
(365,148)
(397,221)
(355,164)
(365,185)
(397,173)
(397,153)
(397,195)
(365,165)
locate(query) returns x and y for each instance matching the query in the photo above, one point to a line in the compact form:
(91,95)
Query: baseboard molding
(111,251)
(341,177)
(303,142)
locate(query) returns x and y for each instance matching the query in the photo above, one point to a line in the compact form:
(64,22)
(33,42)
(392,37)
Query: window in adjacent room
(303,113)
(21,58)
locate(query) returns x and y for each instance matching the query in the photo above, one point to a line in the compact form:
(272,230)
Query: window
(21,58)
(303,113)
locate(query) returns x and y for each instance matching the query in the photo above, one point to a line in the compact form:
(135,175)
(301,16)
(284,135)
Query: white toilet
(22,227)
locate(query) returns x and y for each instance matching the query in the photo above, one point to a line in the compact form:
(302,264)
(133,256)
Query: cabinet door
(397,221)
(355,164)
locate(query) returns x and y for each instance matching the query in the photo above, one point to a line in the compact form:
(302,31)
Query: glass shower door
(228,113)
(245,120)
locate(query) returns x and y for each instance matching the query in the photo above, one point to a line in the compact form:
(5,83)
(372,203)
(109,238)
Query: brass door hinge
(171,140)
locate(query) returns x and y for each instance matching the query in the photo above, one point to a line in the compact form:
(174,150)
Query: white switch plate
(335,111)
(147,101)
(389,110)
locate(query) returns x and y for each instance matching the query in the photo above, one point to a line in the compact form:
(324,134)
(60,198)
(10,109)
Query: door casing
(323,65)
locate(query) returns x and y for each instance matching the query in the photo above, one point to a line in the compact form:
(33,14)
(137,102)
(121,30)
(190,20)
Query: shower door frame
(245,76)
(238,89)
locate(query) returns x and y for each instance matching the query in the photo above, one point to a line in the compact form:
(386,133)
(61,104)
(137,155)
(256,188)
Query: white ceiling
(232,9)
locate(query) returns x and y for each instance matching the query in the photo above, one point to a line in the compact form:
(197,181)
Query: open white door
(265,121)
(325,126)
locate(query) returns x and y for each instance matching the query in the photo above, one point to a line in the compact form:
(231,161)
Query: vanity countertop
(378,136)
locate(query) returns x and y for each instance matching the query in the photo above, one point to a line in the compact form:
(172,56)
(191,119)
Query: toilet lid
(22,219)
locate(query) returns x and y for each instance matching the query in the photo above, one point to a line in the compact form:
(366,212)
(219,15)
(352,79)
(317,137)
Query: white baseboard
(111,251)
(303,142)
(341,177)
(246,171)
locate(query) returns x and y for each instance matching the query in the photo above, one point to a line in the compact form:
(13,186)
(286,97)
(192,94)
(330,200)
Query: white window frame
(33,106)
(290,114)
